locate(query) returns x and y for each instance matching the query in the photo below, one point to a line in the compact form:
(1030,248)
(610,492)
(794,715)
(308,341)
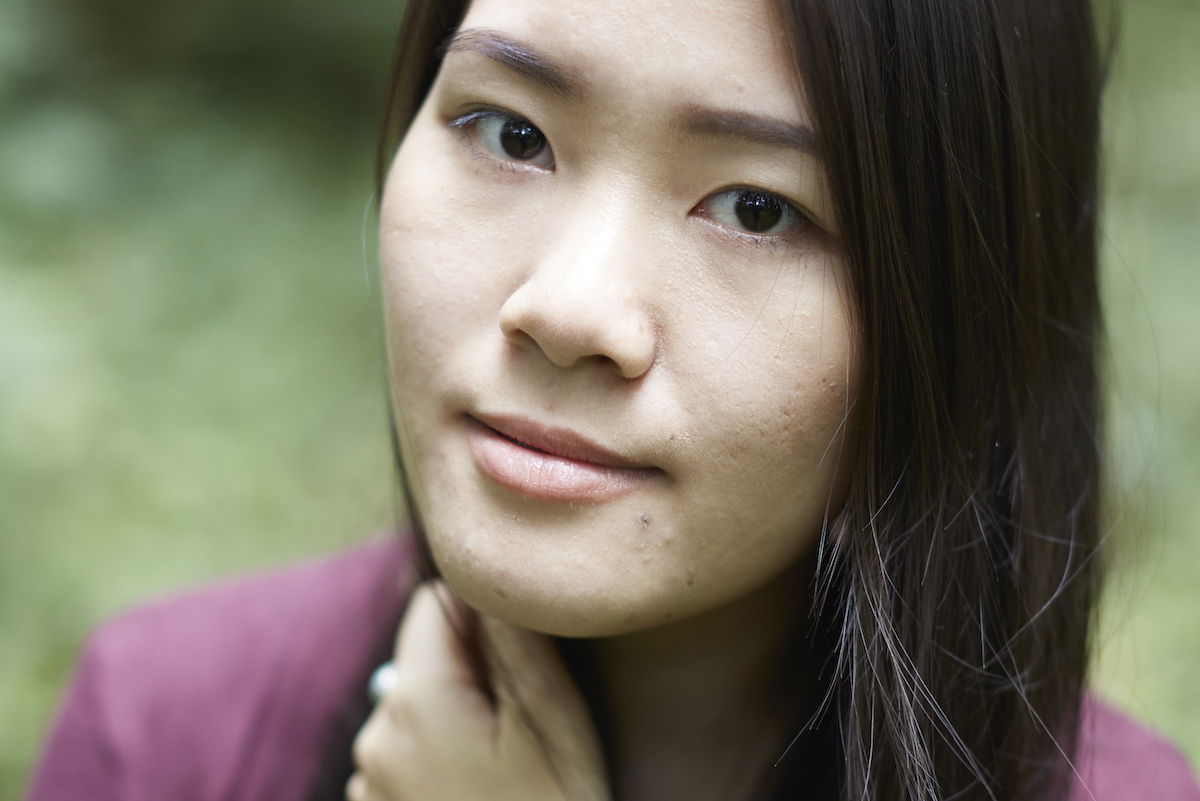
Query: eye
(506,137)
(753,211)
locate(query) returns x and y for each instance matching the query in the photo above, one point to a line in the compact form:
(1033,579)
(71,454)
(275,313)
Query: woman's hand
(436,736)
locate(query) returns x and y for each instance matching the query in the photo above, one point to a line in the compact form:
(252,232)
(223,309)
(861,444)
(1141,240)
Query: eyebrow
(518,57)
(714,123)
(699,121)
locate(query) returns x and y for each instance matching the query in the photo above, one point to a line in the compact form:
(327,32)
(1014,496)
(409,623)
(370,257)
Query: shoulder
(258,617)
(1118,759)
(236,679)
(231,638)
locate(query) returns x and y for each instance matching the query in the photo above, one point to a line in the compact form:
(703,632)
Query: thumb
(433,641)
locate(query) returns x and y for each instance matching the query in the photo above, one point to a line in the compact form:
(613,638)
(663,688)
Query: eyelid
(465,124)
(463,120)
(802,221)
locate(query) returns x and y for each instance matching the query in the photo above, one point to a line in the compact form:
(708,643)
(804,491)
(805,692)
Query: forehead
(727,52)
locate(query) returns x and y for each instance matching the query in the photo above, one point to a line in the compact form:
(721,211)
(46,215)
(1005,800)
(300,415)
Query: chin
(551,599)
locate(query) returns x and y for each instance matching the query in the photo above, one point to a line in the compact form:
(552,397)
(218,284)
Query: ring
(381,681)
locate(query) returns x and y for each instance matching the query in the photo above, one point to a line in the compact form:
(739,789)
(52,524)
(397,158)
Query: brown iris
(521,140)
(759,212)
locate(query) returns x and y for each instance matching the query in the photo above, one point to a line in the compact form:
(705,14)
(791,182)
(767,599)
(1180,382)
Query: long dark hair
(962,144)
(958,582)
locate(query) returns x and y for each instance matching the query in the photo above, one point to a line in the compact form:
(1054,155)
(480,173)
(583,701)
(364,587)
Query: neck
(690,707)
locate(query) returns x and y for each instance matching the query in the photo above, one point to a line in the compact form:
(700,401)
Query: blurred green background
(190,361)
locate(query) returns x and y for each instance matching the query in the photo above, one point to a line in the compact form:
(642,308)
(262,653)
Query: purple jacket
(226,694)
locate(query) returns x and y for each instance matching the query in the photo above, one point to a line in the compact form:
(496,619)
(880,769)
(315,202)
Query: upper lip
(556,441)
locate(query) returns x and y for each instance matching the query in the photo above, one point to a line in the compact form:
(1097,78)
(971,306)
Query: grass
(190,367)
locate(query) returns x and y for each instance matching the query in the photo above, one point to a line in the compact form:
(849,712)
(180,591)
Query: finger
(357,789)
(382,750)
(430,641)
(371,744)
(360,788)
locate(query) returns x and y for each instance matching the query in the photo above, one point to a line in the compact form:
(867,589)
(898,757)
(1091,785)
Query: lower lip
(544,476)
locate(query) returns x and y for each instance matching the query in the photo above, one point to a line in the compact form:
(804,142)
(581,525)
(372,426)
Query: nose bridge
(583,294)
(584,252)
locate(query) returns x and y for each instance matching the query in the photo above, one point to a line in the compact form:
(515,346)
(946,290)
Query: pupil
(758,212)
(520,139)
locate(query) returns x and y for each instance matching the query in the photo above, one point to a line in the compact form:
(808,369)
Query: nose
(583,300)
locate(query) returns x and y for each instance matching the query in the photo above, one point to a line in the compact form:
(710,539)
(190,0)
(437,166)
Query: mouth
(547,463)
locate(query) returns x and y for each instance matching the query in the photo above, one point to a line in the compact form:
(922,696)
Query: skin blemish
(537,279)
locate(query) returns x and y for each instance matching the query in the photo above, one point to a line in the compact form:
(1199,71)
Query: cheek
(779,409)
(779,366)
(427,250)
(433,274)
(420,255)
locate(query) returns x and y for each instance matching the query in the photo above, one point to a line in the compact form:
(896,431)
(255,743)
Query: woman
(750,348)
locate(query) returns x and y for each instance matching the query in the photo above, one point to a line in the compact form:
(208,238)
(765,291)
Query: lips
(549,463)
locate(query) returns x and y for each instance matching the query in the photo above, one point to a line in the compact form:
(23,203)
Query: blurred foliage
(1150,627)
(190,361)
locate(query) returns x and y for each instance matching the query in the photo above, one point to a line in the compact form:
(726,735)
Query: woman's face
(618,328)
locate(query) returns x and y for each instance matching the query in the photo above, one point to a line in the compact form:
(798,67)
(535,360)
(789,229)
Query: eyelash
(466,125)
(800,222)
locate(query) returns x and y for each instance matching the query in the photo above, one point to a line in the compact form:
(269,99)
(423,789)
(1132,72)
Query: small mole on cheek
(644,519)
